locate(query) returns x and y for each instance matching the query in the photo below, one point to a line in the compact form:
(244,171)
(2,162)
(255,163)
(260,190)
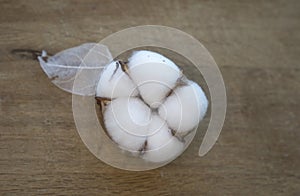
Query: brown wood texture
(257,47)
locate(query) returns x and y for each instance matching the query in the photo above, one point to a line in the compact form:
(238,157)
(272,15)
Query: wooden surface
(257,47)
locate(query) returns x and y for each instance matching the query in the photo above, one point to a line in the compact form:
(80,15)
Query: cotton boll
(154,74)
(127,120)
(115,83)
(166,152)
(185,107)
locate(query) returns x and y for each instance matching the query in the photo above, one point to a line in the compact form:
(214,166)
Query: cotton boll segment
(126,121)
(166,152)
(154,74)
(161,144)
(185,107)
(145,56)
(159,133)
(115,83)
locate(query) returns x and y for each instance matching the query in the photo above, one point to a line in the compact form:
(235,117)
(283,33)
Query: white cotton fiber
(185,107)
(161,144)
(159,133)
(154,74)
(127,120)
(165,153)
(142,113)
(115,83)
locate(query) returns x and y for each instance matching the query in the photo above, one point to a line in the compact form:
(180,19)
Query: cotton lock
(154,74)
(115,83)
(185,107)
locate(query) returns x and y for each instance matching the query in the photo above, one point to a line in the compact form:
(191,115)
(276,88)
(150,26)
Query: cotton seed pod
(126,121)
(143,121)
(154,74)
(114,82)
(185,107)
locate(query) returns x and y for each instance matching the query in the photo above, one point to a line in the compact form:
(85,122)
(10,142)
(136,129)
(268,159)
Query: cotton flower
(114,82)
(185,107)
(154,74)
(147,102)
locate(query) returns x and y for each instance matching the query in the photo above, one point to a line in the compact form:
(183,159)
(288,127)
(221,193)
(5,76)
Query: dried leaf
(85,61)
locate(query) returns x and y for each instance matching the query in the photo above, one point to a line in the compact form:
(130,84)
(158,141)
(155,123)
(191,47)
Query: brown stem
(124,66)
(27,53)
(101,100)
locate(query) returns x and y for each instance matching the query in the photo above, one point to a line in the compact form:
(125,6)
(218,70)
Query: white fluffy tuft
(126,120)
(154,74)
(115,83)
(159,133)
(161,144)
(185,107)
(167,152)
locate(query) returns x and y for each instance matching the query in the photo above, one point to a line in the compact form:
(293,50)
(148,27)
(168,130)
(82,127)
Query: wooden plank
(255,43)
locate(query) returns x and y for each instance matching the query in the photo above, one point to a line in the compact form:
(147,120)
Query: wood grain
(255,43)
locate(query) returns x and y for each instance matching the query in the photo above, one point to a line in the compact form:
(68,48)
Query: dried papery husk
(100,105)
(62,68)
